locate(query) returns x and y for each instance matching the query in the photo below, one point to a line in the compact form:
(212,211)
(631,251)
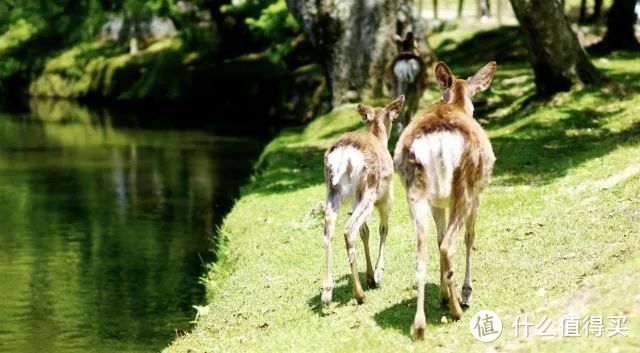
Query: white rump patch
(406,70)
(338,162)
(440,154)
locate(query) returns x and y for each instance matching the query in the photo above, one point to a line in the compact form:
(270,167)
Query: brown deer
(407,76)
(445,159)
(359,166)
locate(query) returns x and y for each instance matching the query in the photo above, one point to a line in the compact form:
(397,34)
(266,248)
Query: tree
(353,41)
(557,58)
(409,21)
(620,29)
(597,10)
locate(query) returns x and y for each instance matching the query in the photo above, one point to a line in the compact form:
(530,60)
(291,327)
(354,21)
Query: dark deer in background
(407,76)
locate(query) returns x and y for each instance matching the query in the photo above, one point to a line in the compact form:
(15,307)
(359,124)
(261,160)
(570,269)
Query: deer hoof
(455,310)
(378,275)
(327,294)
(371,282)
(419,326)
(466,297)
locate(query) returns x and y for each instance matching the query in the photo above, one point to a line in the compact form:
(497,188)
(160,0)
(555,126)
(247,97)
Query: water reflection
(104,230)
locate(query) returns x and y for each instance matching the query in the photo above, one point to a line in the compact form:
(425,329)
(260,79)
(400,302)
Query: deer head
(378,120)
(459,91)
(406,44)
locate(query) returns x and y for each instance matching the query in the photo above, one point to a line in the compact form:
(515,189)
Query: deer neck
(458,96)
(379,131)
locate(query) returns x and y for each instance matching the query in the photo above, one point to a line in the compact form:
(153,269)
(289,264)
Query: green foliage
(54,51)
(164,8)
(269,21)
(204,39)
(105,69)
(95,17)
(275,22)
(18,33)
(247,8)
(13,44)
(153,81)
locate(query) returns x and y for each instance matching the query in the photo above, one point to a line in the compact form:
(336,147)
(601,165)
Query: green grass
(558,233)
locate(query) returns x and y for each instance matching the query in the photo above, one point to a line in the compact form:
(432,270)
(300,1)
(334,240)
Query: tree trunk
(557,58)
(409,20)
(483,9)
(460,4)
(353,41)
(597,10)
(583,11)
(435,9)
(620,29)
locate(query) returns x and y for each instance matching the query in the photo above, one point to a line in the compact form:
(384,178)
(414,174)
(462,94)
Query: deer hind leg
(439,216)
(362,210)
(447,250)
(331,213)
(470,235)
(384,208)
(401,88)
(419,209)
(364,235)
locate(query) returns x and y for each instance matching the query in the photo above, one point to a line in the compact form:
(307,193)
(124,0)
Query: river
(105,226)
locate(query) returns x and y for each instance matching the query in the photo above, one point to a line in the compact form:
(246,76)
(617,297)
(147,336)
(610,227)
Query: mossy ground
(558,231)
(104,69)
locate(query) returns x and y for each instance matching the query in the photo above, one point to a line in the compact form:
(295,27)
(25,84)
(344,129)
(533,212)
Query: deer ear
(443,75)
(482,79)
(366,112)
(395,107)
(409,36)
(396,38)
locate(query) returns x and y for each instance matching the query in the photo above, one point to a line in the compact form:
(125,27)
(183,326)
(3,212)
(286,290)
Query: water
(104,229)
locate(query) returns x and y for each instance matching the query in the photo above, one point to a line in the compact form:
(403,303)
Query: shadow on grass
(535,153)
(502,44)
(538,153)
(289,169)
(400,316)
(357,125)
(630,79)
(396,317)
(342,294)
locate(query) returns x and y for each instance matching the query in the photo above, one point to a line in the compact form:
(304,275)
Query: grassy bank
(104,69)
(558,232)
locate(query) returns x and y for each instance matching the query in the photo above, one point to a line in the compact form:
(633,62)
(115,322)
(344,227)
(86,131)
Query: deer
(358,166)
(445,160)
(406,75)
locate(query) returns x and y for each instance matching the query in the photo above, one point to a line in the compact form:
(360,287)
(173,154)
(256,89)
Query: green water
(104,229)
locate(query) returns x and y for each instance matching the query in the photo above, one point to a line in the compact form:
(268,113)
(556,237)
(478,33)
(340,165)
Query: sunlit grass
(560,219)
